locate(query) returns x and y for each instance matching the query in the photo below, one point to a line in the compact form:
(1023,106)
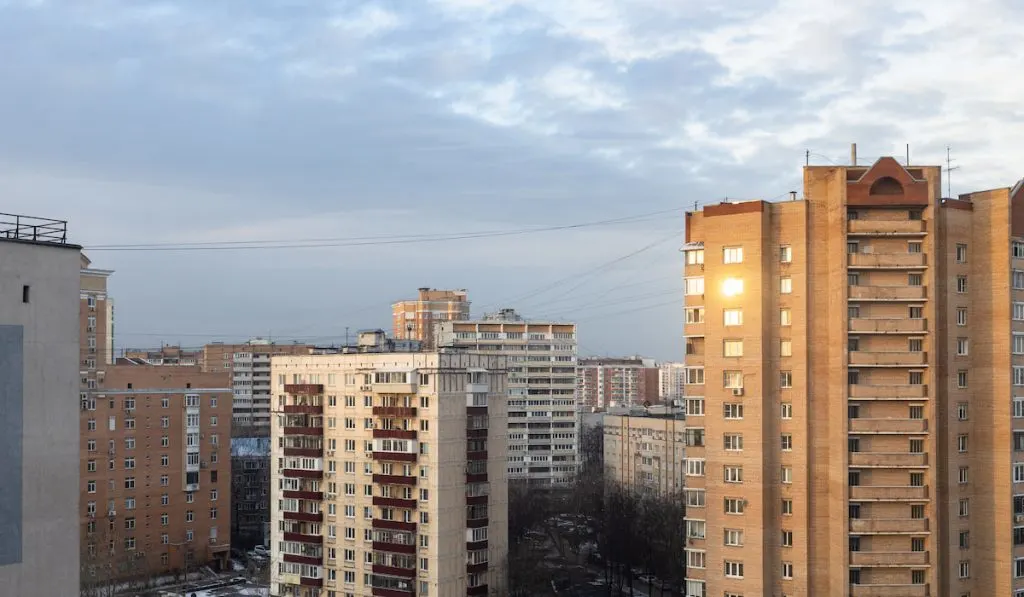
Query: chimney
(853,154)
(792,195)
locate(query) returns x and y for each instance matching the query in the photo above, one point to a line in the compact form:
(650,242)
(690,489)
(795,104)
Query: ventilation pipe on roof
(853,154)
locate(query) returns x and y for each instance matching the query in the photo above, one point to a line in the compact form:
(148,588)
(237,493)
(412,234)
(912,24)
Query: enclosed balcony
(888,392)
(394,434)
(886,260)
(888,559)
(888,426)
(884,325)
(887,460)
(885,227)
(888,526)
(888,293)
(889,591)
(901,358)
(393,479)
(394,411)
(892,493)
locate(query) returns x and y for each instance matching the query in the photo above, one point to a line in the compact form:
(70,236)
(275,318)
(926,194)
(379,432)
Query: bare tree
(109,566)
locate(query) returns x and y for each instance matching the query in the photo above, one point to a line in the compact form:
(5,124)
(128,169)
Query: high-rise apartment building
(646,451)
(671,379)
(603,382)
(416,319)
(543,422)
(853,409)
(155,472)
(389,473)
(250,492)
(39,273)
(96,324)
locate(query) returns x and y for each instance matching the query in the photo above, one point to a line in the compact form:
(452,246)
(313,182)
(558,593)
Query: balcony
(303,495)
(890,426)
(310,452)
(887,293)
(900,358)
(301,538)
(393,571)
(382,592)
(889,591)
(394,502)
(394,525)
(888,526)
(888,326)
(887,460)
(303,431)
(885,260)
(888,392)
(393,547)
(302,473)
(393,434)
(311,582)
(395,456)
(895,493)
(394,411)
(304,389)
(885,227)
(303,516)
(306,409)
(888,559)
(394,388)
(393,479)
(297,559)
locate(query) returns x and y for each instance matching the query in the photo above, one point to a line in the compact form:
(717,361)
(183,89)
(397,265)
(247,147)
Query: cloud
(368,21)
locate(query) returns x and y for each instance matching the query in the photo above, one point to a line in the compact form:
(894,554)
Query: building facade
(671,379)
(155,472)
(603,382)
(852,389)
(389,475)
(646,452)
(250,492)
(416,319)
(544,425)
(39,275)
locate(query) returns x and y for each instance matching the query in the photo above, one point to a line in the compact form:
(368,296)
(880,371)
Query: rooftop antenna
(908,155)
(949,168)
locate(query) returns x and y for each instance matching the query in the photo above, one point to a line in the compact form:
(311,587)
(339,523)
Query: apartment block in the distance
(38,425)
(857,379)
(645,450)
(389,473)
(544,426)
(416,319)
(603,382)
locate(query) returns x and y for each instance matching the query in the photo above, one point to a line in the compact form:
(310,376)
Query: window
(786,348)
(695,559)
(693,286)
(961,411)
(964,475)
(961,379)
(964,507)
(787,410)
(915,378)
(786,254)
(787,538)
(787,570)
(1018,344)
(961,315)
(853,279)
(694,467)
(787,507)
(965,569)
(732,379)
(734,505)
(695,315)
(695,257)
(733,569)
(732,411)
(1018,311)
(732,255)
(734,537)
(961,284)
(913,247)
(787,475)
(694,497)
(785,379)
(733,348)
(914,279)
(961,347)
(1018,279)
(786,285)
(695,407)
(787,442)
(696,529)
(732,474)
(1018,376)
(961,442)
(733,442)
(852,247)
(785,317)
(733,316)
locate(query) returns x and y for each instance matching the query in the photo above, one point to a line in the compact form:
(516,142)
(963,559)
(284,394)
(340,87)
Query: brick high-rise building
(39,379)
(155,472)
(646,450)
(416,319)
(96,324)
(857,388)
(389,473)
(603,382)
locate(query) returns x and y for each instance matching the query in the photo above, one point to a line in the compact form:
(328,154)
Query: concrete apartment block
(417,319)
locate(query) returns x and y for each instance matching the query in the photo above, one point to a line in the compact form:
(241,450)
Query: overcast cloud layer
(186,121)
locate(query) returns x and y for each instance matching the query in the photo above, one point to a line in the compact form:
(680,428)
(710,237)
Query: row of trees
(594,524)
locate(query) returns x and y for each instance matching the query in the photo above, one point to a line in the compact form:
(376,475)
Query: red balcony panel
(378,592)
(475,545)
(304,495)
(476,500)
(310,452)
(303,516)
(393,547)
(297,559)
(477,590)
(476,433)
(394,479)
(394,411)
(395,456)
(294,472)
(303,409)
(476,568)
(476,410)
(394,502)
(477,523)
(392,571)
(303,430)
(304,389)
(393,434)
(318,539)
(476,455)
(394,525)
(477,478)
(311,582)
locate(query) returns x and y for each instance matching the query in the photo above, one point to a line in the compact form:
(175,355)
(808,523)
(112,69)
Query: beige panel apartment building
(96,324)
(544,423)
(155,472)
(852,365)
(416,319)
(389,473)
(646,452)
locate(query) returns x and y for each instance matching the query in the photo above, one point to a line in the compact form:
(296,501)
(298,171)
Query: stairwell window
(916,378)
(786,285)
(961,347)
(786,254)
(961,284)
(786,348)
(961,379)
(913,247)
(785,317)
(961,253)
(785,379)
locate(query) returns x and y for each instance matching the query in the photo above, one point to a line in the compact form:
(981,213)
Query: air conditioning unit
(112,513)
(330,452)
(331,495)
(1019,518)
(737,391)
(365,388)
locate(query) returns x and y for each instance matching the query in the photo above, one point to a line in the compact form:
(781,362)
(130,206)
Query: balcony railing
(394,502)
(394,411)
(29,228)
(888,392)
(900,358)
(885,526)
(888,326)
(304,389)
(303,431)
(393,479)
(885,227)
(394,434)
(887,460)
(893,426)
(395,456)
(889,591)
(888,559)
(894,493)
(886,260)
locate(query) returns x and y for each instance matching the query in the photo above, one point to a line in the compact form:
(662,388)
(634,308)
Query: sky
(194,121)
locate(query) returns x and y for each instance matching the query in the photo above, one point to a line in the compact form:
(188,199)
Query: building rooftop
(32,229)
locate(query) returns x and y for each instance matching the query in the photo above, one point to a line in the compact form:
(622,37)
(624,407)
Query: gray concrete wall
(46,441)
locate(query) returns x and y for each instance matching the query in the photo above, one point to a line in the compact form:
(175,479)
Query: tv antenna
(949,168)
